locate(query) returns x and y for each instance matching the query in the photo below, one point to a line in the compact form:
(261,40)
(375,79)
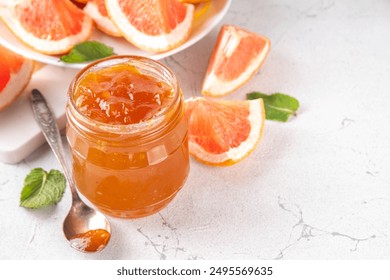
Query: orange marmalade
(128,135)
(91,241)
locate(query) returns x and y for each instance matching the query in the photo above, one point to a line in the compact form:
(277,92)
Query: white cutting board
(20,135)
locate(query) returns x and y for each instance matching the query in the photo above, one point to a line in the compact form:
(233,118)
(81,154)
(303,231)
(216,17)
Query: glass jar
(129,170)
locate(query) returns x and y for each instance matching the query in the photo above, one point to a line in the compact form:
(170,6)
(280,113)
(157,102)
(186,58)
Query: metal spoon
(86,229)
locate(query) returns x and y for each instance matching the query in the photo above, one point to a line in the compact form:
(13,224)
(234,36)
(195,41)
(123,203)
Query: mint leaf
(42,189)
(278,106)
(87,51)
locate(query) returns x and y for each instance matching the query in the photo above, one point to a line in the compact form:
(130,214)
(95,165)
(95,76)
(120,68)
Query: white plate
(212,17)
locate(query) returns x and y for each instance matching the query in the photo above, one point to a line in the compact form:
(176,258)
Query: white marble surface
(317,187)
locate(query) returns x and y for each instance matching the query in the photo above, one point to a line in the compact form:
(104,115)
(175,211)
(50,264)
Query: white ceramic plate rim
(121,47)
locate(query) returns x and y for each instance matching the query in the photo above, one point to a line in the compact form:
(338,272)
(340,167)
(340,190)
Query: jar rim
(125,128)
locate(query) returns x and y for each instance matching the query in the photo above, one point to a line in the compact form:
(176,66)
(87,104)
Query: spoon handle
(46,120)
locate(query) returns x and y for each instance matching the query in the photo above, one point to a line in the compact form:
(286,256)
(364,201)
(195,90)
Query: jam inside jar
(128,135)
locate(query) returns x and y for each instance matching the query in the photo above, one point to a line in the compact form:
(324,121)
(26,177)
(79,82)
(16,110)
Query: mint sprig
(278,106)
(87,51)
(42,188)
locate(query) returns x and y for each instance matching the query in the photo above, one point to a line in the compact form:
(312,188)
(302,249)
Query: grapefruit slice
(96,9)
(223,132)
(15,73)
(153,25)
(238,55)
(50,26)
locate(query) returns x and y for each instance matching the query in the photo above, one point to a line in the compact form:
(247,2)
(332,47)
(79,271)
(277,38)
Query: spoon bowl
(82,219)
(86,229)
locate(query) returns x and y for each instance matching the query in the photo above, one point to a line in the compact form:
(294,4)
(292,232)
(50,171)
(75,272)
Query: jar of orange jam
(128,135)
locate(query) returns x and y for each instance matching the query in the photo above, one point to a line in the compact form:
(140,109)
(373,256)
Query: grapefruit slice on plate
(238,54)
(15,73)
(49,26)
(153,25)
(223,132)
(96,9)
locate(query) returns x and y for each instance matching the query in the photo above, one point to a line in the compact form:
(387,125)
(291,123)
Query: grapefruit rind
(50,47)
(103,23)
(234,155)
(212,85)
(17,83)
(157,43)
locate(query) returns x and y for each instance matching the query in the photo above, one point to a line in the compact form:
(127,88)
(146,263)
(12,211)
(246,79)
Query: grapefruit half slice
(15,73)
(223,132)
(238,54)
(50,26)
(153,25)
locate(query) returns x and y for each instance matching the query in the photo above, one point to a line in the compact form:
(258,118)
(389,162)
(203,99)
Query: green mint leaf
(87,51)
(278,106)
(42,189)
